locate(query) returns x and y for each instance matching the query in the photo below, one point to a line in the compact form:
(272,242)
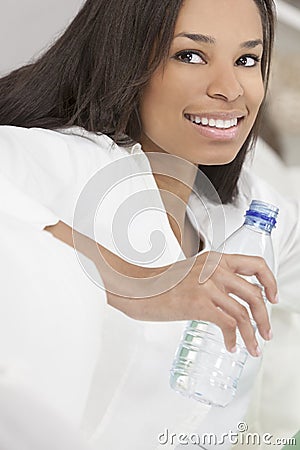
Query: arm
(187,299)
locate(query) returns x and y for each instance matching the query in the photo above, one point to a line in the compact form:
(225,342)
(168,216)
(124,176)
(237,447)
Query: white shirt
(123,385)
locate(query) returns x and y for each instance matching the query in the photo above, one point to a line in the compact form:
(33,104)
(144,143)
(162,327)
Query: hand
(210,300)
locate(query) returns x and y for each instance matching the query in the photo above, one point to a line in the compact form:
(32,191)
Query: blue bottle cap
(262,214)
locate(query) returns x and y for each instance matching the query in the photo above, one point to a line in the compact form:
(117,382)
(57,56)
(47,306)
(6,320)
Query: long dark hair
(93,75)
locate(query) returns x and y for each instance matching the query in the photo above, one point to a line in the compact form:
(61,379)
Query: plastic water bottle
(203,369)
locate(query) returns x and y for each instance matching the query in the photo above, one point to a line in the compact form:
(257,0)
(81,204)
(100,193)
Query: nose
(224,84)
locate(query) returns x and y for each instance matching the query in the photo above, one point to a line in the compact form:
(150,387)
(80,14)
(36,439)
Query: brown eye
(190,57)
(248,61)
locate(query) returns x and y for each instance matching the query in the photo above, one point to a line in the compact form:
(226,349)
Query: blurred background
(282,118)
(27,27)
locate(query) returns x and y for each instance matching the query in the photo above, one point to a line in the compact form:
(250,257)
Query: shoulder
(252,186)
(64,151)
(72,146)
(53,166)
(287,232)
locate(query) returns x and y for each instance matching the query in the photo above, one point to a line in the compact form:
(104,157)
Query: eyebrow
(252,44)
(196,37)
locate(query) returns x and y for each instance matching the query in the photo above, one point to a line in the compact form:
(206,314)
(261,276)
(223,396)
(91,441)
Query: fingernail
(257,351)
(233,349)
(276,299)
(270,335)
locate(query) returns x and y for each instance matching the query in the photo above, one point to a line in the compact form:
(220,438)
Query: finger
(241,316)
(255,265)
(228,326)
(252,294)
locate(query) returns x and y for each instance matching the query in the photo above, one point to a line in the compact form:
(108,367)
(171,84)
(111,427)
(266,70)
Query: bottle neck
(259,224)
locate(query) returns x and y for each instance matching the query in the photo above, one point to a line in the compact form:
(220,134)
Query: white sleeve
(286,240)
(16,204)
(26,422)
(289,261)
(50,326)
(281,187)
(280,354)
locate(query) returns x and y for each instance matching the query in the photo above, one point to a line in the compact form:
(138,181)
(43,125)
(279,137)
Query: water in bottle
(203,369)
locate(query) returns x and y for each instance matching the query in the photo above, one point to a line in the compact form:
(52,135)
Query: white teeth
(218,123)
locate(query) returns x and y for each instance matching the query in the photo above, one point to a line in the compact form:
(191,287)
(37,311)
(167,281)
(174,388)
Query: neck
(175,178)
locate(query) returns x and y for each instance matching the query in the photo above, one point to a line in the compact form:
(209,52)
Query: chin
(213,156)
(216,161)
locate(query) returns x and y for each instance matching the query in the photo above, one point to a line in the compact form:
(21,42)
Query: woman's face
(203,103)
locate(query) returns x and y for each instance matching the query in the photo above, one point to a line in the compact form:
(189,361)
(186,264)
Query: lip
(219,134)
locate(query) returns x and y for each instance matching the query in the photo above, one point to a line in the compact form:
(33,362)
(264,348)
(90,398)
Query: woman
(185,79)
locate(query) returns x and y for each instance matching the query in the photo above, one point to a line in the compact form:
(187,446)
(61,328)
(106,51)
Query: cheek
(160,102)
(256,95)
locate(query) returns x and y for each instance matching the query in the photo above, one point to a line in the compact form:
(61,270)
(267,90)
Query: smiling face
(203,103)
